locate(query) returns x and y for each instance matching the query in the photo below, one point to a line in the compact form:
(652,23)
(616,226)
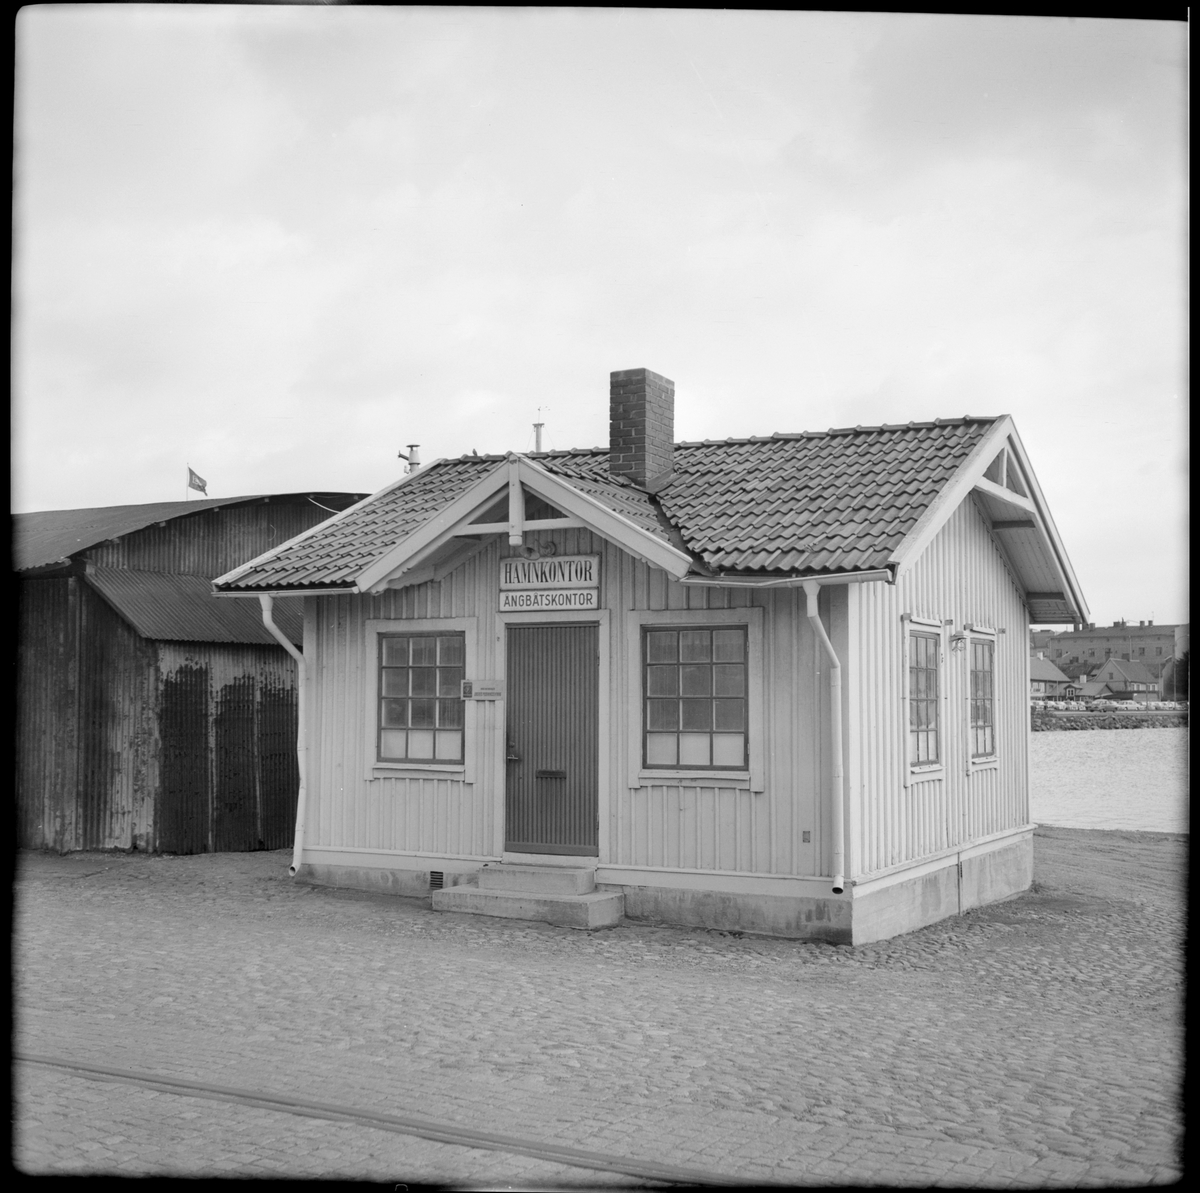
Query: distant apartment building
(1086,650)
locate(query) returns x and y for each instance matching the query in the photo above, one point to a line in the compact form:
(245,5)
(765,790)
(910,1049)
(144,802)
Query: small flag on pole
(195,481)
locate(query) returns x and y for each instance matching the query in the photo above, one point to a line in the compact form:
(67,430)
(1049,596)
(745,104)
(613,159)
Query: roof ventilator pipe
(268,603)
(811,589)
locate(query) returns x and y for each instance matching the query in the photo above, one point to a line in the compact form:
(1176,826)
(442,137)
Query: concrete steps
(563,895)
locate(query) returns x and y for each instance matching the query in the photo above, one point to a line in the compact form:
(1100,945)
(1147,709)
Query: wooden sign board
(552,582)
(488,689)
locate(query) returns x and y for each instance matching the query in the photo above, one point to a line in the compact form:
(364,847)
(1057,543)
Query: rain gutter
(730,581)
(837,796)
(268,603)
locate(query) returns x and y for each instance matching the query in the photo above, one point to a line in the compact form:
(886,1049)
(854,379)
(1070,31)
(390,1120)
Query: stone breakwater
(1043,720)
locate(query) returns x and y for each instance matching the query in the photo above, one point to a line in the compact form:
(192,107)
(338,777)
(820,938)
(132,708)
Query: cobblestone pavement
(1035,1043)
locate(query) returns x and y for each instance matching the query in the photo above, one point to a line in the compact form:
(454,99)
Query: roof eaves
(231,576)
(951,494)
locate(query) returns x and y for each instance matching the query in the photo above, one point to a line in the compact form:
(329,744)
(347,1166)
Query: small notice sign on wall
(562,582)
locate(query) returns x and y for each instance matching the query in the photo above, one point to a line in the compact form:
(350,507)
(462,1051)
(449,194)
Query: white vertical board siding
(348,809)
(961,577)
(692,824)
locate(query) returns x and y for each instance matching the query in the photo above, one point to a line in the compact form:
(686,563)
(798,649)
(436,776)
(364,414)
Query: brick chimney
(641,433)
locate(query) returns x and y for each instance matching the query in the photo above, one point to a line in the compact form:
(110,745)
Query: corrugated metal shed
(176,608)
(53,536)
(150,715)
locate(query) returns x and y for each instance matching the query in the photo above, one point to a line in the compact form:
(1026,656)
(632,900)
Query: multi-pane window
(983,699)
(923,691)
(694,691)
(420,697)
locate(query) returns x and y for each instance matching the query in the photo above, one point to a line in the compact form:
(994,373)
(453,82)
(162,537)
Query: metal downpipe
(837,796)
(268,603)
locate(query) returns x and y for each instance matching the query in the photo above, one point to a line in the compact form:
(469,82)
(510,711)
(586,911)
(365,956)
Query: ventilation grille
(436,880)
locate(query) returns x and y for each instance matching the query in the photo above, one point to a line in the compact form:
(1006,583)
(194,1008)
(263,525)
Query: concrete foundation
(767,915)
(905,902)
(872,910)
(409,883)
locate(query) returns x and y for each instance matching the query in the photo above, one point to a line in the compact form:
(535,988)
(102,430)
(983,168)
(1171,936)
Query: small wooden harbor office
(778,685)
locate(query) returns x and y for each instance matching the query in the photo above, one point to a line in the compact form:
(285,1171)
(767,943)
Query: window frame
(377,628)
(911,624)
(447,686)
(743,765)
(983,635)
(751,777)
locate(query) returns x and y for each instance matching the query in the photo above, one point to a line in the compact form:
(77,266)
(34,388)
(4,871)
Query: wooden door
(552,725)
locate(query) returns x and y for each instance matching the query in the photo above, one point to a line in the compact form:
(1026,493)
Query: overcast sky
(279,243)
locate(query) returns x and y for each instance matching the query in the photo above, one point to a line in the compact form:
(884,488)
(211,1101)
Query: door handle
(512,757)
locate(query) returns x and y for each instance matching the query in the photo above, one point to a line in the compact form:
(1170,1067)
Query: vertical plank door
(552,725)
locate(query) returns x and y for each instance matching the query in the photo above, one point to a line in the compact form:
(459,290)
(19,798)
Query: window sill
(716,778)
(989,763)
(918,774)
(415,770)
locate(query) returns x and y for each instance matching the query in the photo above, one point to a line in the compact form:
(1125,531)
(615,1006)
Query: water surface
(1110,778)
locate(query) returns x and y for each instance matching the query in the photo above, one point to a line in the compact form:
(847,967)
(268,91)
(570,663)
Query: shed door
(552,724)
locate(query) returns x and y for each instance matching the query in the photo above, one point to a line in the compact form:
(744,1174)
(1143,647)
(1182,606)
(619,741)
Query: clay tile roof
(841,500)
(334,555)
(803,503)
(1045,671)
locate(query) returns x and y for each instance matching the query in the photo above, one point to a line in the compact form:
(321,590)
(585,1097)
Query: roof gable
(1128,669)
(1045,671)
(1019,519)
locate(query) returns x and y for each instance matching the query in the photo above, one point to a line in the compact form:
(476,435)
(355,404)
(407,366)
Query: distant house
(1046,681)
(150,716)
(776,684)
(1127,680)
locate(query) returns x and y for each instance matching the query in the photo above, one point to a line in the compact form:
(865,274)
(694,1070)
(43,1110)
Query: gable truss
(428,552)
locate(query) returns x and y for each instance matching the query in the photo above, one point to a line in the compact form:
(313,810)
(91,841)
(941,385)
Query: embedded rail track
(400,1124)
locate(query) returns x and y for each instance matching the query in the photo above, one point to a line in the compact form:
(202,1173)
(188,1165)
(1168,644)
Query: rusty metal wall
(182,806)
(209,542)
(47,630)
(127,744)
(236,803)
(86,751)
(117,761)
(228,728)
